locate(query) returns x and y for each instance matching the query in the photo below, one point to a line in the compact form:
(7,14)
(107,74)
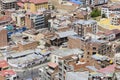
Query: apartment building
(49,71)
(19,18)
(90,45)
(3,37)
(82,27)
(113,8)
(35,21)
(115,20)
(59,53)
(72,63)
(8,4)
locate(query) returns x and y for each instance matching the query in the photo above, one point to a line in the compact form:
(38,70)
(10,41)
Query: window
(94,48)
(88,53)
(94,53)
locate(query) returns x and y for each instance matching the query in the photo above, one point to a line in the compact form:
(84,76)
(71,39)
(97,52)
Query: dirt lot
(64,7)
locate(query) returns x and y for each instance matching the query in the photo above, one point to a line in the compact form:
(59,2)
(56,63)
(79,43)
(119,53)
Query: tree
(95,13)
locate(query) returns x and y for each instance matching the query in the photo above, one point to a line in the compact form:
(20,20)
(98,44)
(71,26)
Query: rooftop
(77,75)
(8,1)
(7,72)
(67,52)
(84,22)
(3,64)
(35,1)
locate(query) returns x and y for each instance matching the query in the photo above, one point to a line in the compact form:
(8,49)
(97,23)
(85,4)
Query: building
(34,5)
(3,65)
(49,72)
(73,64)
(19,18)
(62,1)
(89,45)
(61,37)
(36,21)
(22,42)
(77,75)
(5,20)
(115,20)
(117,61)
(8,4)
(90,2)
(28,58)
(3,37)
(59,53)
(109,35)
(8,74)
(109,9)
(82,27)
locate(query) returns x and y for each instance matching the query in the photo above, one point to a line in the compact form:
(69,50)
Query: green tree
(95,13)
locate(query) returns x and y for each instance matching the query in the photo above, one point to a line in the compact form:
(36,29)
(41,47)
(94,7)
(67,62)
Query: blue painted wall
(76,1)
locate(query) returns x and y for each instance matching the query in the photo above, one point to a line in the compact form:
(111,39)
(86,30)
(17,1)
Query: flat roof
(65,34)
(66,52)
(8,1)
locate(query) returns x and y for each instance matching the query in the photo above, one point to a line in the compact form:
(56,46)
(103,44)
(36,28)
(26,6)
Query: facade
(35,21)
(117,61)
(95,2)
(5,20)
(89,45)
(19,18)
(49,71)
(90,2)
(115,20)
(3,38)
(8,4)
(71,63)
(109,9)
(82,27)
(35,5)
(27,45)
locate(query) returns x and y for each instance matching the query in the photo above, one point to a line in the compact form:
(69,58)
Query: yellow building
(35,5)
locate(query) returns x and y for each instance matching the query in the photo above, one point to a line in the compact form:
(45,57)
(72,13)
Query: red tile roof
(20,4)
(7,72)
(3,64)
(53,65)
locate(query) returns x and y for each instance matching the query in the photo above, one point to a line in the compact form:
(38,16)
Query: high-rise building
(82,27)
(8,4)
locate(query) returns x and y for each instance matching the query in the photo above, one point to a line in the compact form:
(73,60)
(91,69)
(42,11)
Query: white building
(59,53)
(19,18)
(117,60)
(109,9)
